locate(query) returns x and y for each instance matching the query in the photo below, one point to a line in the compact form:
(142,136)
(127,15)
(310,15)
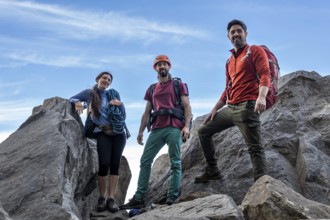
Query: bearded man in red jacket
(240,104)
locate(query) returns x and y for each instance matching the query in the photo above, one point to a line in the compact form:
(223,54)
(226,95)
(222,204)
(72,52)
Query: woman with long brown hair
(108,113)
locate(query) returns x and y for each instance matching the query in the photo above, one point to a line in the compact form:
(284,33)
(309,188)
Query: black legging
(110,149)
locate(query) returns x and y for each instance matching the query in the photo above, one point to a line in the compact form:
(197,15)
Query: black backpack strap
(151,91)
(151,117)
(176,112)
(177,90)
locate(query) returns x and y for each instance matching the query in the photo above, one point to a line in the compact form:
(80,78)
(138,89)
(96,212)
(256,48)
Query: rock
(212,207)
(271,199)
(49,170)
(296,137)
(120,215)
(3,214)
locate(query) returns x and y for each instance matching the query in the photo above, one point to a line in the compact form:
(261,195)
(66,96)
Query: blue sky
(56,48)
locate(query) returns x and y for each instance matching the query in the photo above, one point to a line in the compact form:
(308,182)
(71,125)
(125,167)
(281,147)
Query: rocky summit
(48,169)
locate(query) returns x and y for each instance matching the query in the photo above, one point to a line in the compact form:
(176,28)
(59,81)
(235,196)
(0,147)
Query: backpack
(274,74)
(177,111)
(117,117)
(117,114)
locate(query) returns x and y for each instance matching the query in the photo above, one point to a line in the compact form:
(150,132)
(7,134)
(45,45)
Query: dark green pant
(243,116)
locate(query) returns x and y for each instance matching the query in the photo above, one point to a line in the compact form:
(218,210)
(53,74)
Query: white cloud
(80,61)
(13,114)
(70,23)
(14,84)
(16,111)
(50,35)
(59,61)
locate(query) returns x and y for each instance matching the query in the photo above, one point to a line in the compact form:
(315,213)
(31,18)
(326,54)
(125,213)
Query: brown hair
(96,102)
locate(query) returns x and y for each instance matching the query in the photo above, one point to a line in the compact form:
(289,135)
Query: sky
(54,48)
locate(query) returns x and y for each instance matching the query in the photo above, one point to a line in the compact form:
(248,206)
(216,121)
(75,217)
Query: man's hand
(260,105)
(211,116)
(79,107)
(185,133)
(261,100)
(140,138)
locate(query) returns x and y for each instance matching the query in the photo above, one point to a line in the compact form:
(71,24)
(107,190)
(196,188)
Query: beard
(163,73)
(238,42)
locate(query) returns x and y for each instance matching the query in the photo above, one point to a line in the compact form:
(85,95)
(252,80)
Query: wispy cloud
(17,110)
(13,114)
(16,83)
(52,35)
(81,61)
(10,89)
(70,23)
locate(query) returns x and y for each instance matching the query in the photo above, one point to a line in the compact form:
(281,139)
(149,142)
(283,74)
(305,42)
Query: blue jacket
(109,114)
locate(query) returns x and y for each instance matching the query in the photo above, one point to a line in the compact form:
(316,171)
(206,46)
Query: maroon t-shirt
(164,98)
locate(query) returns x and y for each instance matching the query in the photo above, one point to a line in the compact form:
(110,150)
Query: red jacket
(242,83)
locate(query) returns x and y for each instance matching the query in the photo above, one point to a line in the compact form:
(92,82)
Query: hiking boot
(210,174)
(111,205)
(170,200)
(133,204)
(101,204)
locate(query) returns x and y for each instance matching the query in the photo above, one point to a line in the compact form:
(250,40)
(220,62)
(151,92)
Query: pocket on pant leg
(253,118)
(250,104)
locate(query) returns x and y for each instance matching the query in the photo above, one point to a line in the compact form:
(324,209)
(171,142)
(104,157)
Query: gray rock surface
(272,200)
(212,207)
(49,170)
(296,137)
(3,214)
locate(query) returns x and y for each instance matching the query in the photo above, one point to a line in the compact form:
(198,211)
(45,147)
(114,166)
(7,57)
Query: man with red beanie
(165,129)
(240,104)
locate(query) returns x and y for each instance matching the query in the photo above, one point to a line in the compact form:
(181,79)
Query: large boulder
(49,169)
(271,199)
(216,206)
(295,134)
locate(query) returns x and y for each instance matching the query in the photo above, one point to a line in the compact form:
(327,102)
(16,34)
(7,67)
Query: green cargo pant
(156,140)
(243,116)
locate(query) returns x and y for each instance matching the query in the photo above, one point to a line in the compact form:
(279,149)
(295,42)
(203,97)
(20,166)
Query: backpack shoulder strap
(177,90)
(151,91)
